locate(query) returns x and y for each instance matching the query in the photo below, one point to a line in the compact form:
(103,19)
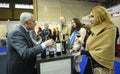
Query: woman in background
(54,34)
(77,40)
(36,37)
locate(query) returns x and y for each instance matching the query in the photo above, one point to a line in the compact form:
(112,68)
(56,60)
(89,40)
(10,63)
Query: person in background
(77,37)
(21,54)
(36,38)
(116,39)
(100,45)
(47,33)
(3,40)
(6,34)
(78,33)
(4,37)
(57,31)
(64,28)
(88,32)
(39,32)
(54,34)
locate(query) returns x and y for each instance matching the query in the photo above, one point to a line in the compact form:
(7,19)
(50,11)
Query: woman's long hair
(101,15)
(78,25)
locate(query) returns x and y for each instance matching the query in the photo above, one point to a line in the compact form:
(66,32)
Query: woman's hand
(80,42)
(71,50)
(76,54)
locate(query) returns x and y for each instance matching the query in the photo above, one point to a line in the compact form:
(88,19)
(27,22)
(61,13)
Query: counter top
(39,59)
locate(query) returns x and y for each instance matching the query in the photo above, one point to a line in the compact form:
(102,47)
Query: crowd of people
(97,42)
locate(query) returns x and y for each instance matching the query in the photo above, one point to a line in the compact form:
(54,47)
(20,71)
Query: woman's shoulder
(111,26)
(82,29)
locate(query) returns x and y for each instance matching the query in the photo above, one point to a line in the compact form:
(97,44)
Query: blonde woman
(100,44)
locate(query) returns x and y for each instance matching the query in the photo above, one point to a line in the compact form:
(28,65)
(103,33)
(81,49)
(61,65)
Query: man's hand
(49,42)
(71,50)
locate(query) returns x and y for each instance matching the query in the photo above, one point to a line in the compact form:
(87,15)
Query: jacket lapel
(27,36)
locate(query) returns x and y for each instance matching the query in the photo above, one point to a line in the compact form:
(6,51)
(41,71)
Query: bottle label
(58,47)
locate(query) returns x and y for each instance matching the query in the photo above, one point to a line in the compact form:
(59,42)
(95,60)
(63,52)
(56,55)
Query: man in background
(65,29)
(21,50)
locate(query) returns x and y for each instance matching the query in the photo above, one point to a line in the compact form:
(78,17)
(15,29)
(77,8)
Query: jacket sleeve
(22,46)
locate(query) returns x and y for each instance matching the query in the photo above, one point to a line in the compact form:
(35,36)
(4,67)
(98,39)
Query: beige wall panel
(51,10)
(49,14)
(48,10)
(49,3)
(70,9)
(5,13)
(2,31)
(9,25)
(86,6)
(35,8)
(17,12)
(116,20)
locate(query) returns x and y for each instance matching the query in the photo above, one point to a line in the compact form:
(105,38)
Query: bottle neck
(57,39)
(63,37)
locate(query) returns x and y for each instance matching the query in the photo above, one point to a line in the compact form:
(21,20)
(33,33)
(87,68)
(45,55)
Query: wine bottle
(43,54)
(58,46)
(51,52)
(63,45)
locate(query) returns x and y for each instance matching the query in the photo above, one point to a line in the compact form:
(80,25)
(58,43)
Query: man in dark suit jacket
(21,51)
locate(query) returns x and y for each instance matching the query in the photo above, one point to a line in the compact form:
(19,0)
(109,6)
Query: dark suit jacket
(21,52)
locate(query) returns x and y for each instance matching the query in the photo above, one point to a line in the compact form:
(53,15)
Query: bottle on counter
(67,42)
(63,45)
(51,52)
(58,46)
(43,54)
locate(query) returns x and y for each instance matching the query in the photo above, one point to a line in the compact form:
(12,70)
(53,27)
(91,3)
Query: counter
(57,65)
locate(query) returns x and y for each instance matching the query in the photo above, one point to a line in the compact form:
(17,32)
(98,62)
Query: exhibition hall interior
(59,36)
